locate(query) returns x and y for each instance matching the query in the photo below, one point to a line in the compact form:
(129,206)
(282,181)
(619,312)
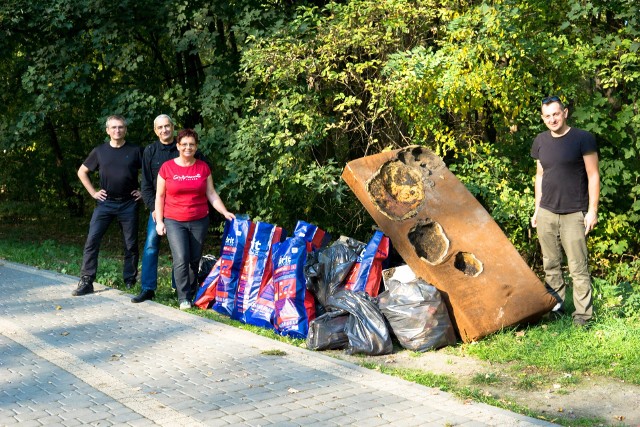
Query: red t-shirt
(186,190)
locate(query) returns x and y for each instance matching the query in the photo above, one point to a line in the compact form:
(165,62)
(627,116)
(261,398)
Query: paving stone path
(101,360)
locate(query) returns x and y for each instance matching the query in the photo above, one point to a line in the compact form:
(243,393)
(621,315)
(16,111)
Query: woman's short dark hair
(185,133)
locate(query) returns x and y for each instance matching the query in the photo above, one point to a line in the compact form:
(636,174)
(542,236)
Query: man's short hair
(551,99)
(115,117)
(162,116)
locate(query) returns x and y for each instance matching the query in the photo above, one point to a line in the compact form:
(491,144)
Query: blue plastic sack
(291,318)
(366,274)
(262,311)
(316,236)
(237,233)
(257,268)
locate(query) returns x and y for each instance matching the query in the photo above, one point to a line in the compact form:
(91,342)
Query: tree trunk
(73,201)
(193,79)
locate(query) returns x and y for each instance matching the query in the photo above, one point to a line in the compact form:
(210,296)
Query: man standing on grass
(567,189)
(117,162)
(154,156)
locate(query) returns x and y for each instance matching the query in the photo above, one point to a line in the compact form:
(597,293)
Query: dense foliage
(284,93)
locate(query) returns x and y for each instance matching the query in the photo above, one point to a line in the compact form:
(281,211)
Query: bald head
(163,128)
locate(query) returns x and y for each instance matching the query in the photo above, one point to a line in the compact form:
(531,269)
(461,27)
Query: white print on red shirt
(186,177)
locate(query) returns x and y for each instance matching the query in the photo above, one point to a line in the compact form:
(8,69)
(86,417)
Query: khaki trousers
(558,232)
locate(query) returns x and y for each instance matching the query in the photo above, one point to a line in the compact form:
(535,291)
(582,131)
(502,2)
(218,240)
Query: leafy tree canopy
(284,93)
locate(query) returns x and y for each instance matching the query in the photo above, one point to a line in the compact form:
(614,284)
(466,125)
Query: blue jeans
(186,239)
(126,213)
(149,273)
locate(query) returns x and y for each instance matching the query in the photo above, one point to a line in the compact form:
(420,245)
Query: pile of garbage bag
(329,294)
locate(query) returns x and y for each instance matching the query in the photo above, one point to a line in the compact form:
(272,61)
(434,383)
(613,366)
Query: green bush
(617,294)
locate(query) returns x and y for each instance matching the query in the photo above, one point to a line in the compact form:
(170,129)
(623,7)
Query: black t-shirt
(118,167)
(565,186)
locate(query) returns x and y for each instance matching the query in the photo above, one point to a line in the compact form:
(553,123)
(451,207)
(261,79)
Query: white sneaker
(185,305)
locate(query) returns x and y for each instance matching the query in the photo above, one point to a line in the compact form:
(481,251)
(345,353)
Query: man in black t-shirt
(117,163)
(567,189)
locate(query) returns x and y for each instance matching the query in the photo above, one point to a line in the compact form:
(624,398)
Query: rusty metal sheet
(448,239)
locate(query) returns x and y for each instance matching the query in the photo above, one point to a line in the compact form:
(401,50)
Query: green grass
(442,382)
(609,347)
(485,379)
(539,354)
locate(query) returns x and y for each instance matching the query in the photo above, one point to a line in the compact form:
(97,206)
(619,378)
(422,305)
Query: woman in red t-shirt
(184,187)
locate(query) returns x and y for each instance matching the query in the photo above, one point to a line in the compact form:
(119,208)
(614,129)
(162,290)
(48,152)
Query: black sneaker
(85,286)
(130,284)
(144,295)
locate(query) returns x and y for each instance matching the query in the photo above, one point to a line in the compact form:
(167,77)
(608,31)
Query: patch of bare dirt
(615,402)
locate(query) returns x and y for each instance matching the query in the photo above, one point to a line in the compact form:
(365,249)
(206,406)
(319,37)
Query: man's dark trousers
(126,212)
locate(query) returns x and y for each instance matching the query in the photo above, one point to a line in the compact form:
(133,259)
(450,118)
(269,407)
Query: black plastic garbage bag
(206,264)
(326,269)
(417,314)
(327,331)
(366,327)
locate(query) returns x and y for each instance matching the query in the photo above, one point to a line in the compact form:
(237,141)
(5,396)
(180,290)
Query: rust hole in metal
(421,157)
(468,264)
(398,190)
(429,241)
(398,187)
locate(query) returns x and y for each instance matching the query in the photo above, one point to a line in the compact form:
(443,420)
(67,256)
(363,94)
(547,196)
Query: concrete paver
(100,360)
